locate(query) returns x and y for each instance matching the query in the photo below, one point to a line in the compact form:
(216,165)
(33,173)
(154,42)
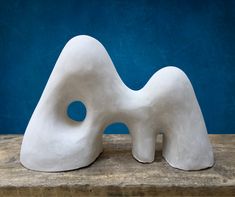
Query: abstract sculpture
(84,72)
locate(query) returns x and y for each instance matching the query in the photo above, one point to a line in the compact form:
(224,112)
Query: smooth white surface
(84,71)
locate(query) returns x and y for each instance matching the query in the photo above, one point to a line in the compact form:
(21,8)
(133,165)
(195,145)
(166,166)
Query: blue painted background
(140,36)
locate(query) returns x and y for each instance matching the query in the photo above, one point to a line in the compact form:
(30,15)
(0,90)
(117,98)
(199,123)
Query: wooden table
(117,173)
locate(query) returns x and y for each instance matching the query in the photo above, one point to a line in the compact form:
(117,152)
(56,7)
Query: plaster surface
(84,72)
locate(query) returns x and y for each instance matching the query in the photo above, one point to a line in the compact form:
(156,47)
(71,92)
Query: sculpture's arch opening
(76,111)
(116,128)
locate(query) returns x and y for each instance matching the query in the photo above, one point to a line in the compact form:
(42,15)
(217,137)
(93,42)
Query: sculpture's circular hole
(76,111)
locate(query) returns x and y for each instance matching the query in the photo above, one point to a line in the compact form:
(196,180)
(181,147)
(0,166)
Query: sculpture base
(116,173)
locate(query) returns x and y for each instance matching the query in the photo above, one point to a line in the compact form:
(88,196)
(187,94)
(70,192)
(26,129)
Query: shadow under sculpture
(84,71)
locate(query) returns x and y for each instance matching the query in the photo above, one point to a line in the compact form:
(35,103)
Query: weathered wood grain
(117,173)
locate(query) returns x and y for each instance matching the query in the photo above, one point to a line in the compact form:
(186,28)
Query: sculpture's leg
(186,144)
(52,141)
(168,104)
(143,142)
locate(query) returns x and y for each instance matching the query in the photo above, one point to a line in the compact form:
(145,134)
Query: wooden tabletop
(117,173)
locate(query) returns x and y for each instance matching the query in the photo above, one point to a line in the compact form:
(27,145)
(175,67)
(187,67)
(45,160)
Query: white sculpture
(85,72)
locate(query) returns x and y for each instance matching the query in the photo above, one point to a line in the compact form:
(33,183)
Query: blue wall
(140,36)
